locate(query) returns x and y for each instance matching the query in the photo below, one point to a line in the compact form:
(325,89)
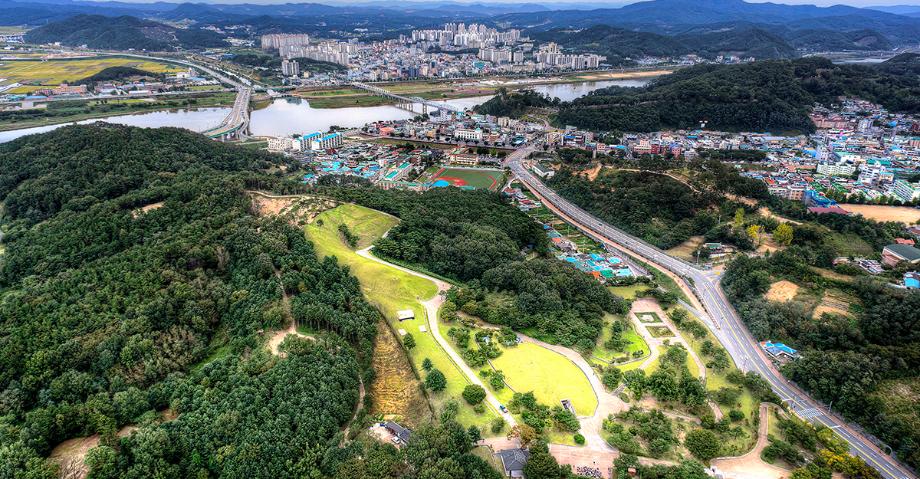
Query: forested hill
(122,33)
(134,285)
(774,95)
(622,46)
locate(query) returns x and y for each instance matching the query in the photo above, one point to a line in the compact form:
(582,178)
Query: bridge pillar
(424,108)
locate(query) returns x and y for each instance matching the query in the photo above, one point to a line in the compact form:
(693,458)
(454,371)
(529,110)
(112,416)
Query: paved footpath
(431,309)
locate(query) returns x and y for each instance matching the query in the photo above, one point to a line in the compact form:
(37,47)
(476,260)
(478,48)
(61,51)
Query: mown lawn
(551,377)
(391,290)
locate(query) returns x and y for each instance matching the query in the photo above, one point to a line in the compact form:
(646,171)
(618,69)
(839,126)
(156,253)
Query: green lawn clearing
(551,377)
(636,343)
(391,290)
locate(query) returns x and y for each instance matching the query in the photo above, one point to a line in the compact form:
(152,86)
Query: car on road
(503,408)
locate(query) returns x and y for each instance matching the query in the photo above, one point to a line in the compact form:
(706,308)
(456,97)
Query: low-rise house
(513,461)
(401,435)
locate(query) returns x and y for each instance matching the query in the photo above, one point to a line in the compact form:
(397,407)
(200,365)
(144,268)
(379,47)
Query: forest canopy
(774,95)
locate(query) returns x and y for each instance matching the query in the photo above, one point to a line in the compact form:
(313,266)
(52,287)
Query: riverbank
(343,97)
(79,110)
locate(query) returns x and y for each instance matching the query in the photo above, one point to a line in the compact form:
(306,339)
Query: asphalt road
(723,321)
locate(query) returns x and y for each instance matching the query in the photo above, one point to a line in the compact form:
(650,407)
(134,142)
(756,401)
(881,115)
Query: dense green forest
(771,95)
(514,104)
(654,207)
(845,360)
(117,73)
(477,238)
(122,33)
(134,287)
(624,46)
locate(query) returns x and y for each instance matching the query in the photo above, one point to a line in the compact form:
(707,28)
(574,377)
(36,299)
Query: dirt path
(646,305)
(431,309)
(750,465)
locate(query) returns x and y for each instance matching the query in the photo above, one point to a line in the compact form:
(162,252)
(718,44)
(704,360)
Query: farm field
(465,177)
(391,290)
(57,71)
(901,214)
(551,376)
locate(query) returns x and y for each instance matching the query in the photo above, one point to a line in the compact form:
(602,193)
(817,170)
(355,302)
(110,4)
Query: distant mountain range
(677,16)
(706,27)
(122,33)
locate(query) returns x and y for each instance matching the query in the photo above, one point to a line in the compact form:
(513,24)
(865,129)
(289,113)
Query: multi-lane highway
(722,318)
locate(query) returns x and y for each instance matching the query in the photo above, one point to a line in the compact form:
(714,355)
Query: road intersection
(722,318)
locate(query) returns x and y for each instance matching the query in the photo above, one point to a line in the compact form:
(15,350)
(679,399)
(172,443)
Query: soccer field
(468,177)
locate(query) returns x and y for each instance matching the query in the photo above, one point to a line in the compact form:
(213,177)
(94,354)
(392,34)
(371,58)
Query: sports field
(57,71)
(466,177)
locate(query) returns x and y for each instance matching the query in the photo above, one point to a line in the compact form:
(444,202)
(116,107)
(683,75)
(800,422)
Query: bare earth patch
(901,214)
(144,209)
(782,291)
(686,249)
(278,337)
(299,209)
(71,454)
(833,303)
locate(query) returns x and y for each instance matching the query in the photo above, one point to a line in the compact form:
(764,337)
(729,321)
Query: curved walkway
(431,309)
(750,465)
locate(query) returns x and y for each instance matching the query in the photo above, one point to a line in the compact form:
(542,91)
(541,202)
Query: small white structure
(405,314)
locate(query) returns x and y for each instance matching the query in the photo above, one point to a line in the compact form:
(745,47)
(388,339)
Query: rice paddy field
(36,72)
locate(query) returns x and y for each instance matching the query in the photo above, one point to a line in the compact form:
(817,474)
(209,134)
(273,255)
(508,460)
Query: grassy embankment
(444,90)
(391,290)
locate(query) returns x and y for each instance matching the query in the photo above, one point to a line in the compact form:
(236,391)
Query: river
(287,116)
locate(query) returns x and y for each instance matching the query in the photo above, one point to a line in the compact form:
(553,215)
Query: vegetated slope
(477,239)
(622,46)
(844,359)
(827,40)
(110,314)
(758,96)
(515,104)
(656,208)
(116,73)
(122,33)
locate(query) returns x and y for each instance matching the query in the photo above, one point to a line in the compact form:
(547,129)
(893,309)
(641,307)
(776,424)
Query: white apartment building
(468,135)
(905,191)
(836,169)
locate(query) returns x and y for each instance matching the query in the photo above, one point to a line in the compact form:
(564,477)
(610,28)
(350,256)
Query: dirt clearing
(900,214)
(71,454)
(833,302)
(686,249)
(782,291)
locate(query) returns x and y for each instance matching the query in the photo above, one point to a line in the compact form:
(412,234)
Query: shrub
(474,394)
(579,439)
